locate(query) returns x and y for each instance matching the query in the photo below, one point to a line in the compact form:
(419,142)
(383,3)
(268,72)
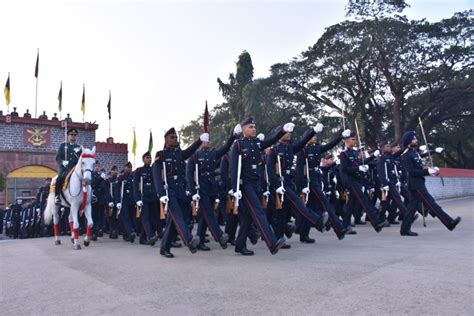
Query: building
(28,149)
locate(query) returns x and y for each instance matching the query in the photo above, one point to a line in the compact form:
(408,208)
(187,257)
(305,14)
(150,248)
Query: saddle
(66,180)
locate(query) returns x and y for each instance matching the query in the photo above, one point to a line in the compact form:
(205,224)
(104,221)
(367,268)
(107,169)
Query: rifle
(236,200)
(427,148)
(307,181)
(164,208)
(196,203)
(139,209)
(279,201)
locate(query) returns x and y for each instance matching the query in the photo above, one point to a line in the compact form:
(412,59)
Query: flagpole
(110,117)
(9,91)
(37,75)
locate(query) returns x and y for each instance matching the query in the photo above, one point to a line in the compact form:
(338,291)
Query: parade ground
(364,274)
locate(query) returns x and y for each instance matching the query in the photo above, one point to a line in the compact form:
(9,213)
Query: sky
(159,59)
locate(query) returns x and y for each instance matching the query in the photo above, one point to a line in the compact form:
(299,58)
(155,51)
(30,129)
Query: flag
(37,64)
(109,105)
(60,98)
(6,91)
(134,143)
(150,142)
(83,104)
(206,120)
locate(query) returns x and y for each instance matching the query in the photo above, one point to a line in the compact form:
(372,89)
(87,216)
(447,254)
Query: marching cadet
(353,168)
(246,185)
(310,181)
(41,199)
(204,188)
(100,199)
(233,219)
(170,184)
(146,199)
(67,156)
(111,183)
(390,188)
(126,202)
(416,181)
(279,166)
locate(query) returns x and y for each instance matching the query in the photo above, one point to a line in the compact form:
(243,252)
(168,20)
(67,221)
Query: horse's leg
(75,217)
(90,223)
(56,224)
(71,225)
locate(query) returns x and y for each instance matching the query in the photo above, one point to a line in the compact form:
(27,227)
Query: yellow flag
(6,90)
(83,104)
(134,144)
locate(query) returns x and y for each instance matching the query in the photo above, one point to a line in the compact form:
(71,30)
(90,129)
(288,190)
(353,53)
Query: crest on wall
(37,137)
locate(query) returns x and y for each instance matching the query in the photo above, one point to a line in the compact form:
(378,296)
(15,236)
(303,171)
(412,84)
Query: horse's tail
(50,205)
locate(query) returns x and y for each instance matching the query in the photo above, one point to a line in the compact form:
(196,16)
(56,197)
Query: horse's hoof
(77,247)
(86,243)
(57,242)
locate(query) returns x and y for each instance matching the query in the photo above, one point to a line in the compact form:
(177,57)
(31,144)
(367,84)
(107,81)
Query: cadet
(416,181)
(353,168)
(112,215)
(100,199)
(206,190)
(171,187)
(146,199)
(126,202)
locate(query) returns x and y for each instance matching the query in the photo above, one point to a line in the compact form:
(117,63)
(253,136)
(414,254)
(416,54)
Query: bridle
(81,175)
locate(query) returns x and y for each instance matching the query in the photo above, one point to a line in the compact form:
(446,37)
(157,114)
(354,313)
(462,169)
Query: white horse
(77,196)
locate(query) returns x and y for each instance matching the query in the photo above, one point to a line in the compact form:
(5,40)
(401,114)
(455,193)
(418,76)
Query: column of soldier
(258,187)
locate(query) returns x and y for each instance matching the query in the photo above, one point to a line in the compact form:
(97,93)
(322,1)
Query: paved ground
(365,274)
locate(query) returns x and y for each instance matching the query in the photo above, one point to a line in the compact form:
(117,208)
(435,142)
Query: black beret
(247,121)
(72,131)
(113,168)
(383,143)
(170,131)
(128,164)
(147,154)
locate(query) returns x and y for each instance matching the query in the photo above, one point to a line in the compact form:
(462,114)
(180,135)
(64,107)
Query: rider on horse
(67,156)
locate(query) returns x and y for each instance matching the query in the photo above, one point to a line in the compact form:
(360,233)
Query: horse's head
(87,164)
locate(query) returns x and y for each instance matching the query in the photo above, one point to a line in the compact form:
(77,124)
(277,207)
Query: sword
(281,176)
(196,175)
(427,148)
(236,200)
(139,209)
(307,180)
(121,197)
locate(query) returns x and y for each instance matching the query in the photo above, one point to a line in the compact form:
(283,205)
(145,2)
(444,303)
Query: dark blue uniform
(317,199)
(143,180)
(102,197)
(251,150)
(127,212)
(353,179)
(206,160)
(416,184)
(286,152)
(174,159)
(387,175)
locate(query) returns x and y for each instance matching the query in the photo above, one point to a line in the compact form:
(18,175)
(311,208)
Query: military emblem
(37,136)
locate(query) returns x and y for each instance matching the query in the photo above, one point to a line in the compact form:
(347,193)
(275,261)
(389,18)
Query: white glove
(281,190)
(346,133)
(38,210)
(217,201)
(338,161)
(261,137)
(196,197)
(423,148)
(65,163)
(204,137)
(119,206)
(266,193)
(337,194)
(433,171)
(377,153)
(237,129)
(318,128)
(231,192)
(111,204)
(439,150)
(102,175)
(139,203)
(238,195)
(288,127)
(372,190)
(366,154)
(386,188)
(305,190)
(163,199)
(363,168)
